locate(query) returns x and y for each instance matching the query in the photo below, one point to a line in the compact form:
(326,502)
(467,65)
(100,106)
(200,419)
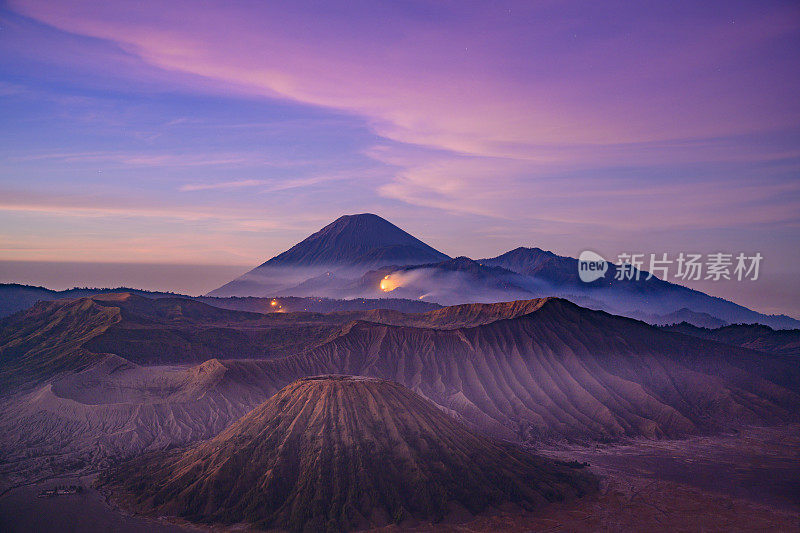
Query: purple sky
(220,134)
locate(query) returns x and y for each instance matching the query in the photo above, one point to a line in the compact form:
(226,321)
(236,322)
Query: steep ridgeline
(352,244)
(563,371)
(67,335)
(50,339)
(337,453)
(529,370)
(456,316)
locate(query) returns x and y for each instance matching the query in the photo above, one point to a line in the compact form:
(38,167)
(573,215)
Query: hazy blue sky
(222,133)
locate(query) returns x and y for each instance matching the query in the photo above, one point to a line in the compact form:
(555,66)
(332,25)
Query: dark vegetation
(785,342)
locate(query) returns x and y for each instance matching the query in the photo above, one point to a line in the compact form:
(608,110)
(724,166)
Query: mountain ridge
(537,371)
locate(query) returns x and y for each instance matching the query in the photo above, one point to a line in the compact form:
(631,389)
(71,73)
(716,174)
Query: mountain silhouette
(361,242)
(653,300)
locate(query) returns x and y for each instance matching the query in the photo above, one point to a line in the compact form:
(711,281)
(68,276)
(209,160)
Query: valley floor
(22,510)
(748,481)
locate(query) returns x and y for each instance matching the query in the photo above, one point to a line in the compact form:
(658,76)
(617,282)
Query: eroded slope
(335,453)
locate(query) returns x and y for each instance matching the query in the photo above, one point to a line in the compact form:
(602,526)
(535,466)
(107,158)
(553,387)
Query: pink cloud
(477,84)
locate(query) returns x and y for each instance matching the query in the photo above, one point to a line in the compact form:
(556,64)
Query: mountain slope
(785,342)
(351,242)
(565,371)
(336,453)
(67,335)
(451,282)
(49,339)
(536,370)
(642,298)
(355,240)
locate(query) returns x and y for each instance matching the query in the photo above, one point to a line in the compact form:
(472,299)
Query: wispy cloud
(536,94)
(446,88)
(93,206)
(150,159)
(222,185)
(273,185)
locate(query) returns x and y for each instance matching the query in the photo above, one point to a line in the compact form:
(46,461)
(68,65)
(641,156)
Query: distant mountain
(537,262)
(351,257)
(754,336)
(646,299)
(337,453)
(351,242)
(364,258)
(15,297)
(357,240)
(684,315)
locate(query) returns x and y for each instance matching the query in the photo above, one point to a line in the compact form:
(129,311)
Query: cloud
(222,185)
(483,106)
(475,81)
(149,159)
(93,206)
(556,197)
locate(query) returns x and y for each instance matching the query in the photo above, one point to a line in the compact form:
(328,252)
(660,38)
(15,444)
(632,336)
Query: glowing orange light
(273,303)
(388,284)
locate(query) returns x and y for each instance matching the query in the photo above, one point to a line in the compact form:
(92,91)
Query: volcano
(350,243)
(348,259)
(651,299)
(337,453)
